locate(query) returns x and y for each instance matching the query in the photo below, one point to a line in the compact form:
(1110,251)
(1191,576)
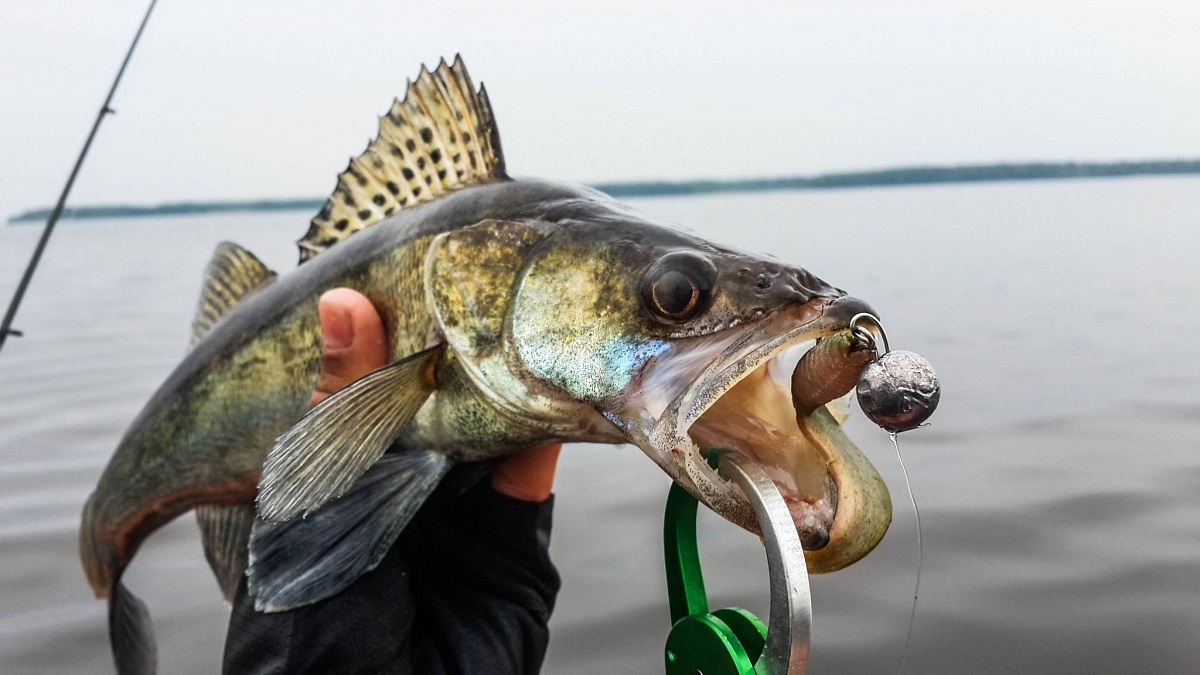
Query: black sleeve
(468,588)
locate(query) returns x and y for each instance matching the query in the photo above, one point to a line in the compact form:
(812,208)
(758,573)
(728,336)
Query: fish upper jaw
(730,391)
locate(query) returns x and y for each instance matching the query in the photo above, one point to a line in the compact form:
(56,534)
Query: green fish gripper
(729,641)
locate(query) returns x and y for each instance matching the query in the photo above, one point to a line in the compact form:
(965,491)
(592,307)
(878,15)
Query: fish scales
(251,376)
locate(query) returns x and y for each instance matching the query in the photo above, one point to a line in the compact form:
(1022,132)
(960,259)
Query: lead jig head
(899,389)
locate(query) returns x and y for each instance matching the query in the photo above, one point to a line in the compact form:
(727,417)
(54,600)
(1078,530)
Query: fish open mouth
(756,418)
(730,392)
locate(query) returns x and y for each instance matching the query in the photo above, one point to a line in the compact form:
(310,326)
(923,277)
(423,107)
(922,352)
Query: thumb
(353,340)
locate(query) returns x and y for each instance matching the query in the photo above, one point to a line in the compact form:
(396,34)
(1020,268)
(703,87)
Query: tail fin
(130,634)
(129,630)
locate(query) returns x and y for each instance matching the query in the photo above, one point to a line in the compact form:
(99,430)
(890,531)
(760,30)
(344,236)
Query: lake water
(1059,482)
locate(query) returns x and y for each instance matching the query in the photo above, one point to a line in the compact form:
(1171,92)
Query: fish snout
(840,310)
(793,283)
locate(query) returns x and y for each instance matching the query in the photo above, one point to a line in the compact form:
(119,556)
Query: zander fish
(519,312)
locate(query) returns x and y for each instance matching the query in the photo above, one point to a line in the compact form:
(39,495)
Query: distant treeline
(918,175)
(173,209)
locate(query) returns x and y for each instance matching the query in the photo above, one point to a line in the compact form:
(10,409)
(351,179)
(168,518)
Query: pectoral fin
(321,456)
(309,559)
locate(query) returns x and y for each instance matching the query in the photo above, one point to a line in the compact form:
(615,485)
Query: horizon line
(907,175)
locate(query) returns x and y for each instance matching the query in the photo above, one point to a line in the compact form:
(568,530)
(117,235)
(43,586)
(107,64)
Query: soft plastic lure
(898,390)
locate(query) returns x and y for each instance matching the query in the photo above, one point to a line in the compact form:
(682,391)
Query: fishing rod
(105,109)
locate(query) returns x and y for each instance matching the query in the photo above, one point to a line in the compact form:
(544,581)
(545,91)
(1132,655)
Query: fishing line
(898,391)
(912,615)
(6,328)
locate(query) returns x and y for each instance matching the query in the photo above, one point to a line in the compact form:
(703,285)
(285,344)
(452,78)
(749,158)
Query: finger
(353,340)
(528,475)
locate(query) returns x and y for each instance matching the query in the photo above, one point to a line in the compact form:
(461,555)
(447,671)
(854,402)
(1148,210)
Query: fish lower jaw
(813,516)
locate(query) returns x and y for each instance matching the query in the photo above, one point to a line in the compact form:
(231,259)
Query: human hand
(355,344)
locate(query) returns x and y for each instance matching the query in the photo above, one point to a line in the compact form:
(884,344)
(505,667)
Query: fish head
(683,347)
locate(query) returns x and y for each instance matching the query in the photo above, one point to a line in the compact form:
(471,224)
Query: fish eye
(678,286)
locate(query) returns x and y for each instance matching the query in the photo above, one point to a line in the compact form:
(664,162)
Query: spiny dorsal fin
(231,274)
(440,138)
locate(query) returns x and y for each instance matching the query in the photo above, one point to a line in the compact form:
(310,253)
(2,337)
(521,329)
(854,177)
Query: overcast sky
(267,98)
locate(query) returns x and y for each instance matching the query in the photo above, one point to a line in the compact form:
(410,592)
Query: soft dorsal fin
(440,138)
(231,274)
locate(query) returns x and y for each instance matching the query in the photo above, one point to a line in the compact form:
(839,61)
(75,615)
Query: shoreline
(916,175)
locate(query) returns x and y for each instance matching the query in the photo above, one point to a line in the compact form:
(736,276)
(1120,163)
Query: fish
(518,312)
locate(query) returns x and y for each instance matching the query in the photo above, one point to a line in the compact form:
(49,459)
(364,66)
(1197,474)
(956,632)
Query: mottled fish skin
(578,337)
(204,434)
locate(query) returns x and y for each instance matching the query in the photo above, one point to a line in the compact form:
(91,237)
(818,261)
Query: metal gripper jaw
(733,641)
